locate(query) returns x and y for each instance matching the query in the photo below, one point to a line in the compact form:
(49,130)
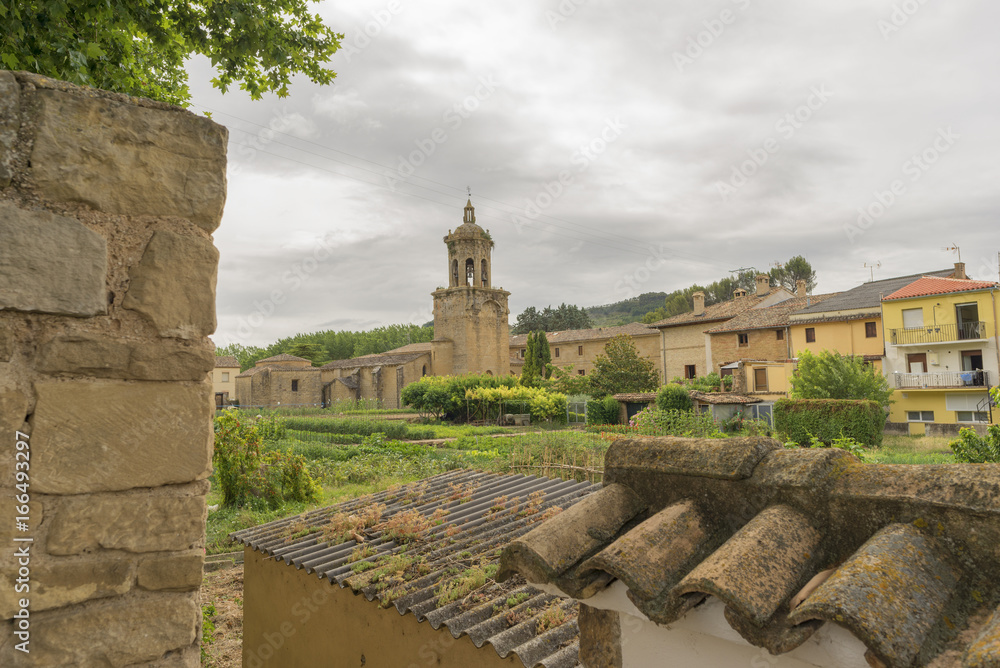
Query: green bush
(798,420)
(247,476)
(654,422)
(603,411)
(393,429)
(673,397)
(971,448)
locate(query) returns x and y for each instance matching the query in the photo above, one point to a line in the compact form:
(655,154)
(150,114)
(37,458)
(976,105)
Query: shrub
(673,398)
(654,422)
(798,420)
(248,477)
(971,448)
(603,411)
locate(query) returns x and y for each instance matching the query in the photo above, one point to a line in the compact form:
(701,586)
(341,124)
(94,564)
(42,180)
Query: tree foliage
(563,317)
(337,345)
(620,369)
(139,48)
(314,352)
(829,375)
(797,268)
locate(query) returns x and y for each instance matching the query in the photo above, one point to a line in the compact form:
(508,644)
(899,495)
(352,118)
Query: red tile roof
(933,285)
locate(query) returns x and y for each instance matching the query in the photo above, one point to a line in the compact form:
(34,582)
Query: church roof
(574,335)
(381,359)
(283,357)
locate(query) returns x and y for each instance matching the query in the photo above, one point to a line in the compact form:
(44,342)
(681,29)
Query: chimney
(800,288)
(959,270)
(699,302)
(739,292)
(763,284)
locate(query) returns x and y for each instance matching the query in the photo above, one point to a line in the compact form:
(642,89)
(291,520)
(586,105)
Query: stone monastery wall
(107,296)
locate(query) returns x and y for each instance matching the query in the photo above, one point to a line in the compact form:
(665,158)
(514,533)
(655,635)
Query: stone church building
(471,335)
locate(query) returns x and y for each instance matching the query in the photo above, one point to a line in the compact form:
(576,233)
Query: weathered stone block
(127,159)
(114,633)
(56,583)
(181,572)
(139,522)
(115,358)
(94,437)
(174,285)
(13,410)
(50,264)
(10,122)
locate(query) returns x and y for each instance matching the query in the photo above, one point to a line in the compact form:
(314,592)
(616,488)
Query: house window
(522,353)
(579,350)
(423,372)
(920,416)
(871,330)
(689,371)
(810,335)
(972,360)
(916,363)
(760,380)
(582,372)
(557,352)
(225,376)
(295,386)
(967,317)
(779,334)
(743,340)
(972,416)
(913,318)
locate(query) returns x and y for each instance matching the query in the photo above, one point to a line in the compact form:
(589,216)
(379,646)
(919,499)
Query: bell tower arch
(471,332)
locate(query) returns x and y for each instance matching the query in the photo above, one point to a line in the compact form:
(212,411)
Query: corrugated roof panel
(445,570)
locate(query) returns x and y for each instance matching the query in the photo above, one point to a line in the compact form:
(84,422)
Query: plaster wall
(291,618)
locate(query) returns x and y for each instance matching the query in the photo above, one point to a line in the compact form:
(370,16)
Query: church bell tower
(471,333)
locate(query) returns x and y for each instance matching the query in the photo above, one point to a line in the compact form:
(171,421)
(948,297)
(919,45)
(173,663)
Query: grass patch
(913,450)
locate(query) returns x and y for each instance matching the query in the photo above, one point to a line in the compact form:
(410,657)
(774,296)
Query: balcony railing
(957,379)
(938,333)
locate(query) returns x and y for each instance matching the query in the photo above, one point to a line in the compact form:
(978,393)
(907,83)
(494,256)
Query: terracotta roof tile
(770,316)
(574,335)
(911,549)
(226,362)
(935,285)
(714,313)
(283,357)
(636,396)
(381,359)
(723,398)
(465,501)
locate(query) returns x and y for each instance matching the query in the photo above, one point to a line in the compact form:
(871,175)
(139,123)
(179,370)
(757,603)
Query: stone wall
(762,344)
(107,296)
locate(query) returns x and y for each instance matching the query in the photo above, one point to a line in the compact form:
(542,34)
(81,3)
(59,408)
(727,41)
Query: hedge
(798,419)
(603,411)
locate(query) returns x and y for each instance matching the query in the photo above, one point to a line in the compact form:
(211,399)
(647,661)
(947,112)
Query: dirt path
(224,590)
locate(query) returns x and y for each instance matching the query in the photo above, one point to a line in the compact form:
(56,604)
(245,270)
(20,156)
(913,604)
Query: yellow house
(224,375)
(849,323)
(942,353)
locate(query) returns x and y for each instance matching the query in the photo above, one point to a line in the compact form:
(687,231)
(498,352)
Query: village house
(223,378)
(685,348)
(942,354)
(281,380)
(404,578)
(849,323)
(579,347)
(738,552)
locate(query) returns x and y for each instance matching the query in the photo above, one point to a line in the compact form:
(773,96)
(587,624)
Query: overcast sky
(612,148)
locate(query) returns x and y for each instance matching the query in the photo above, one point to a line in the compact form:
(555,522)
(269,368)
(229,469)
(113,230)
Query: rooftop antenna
(954,249)
(871,267)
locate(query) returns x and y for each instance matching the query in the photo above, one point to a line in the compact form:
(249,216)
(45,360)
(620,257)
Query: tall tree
(797,268)
(139,48)
(543,355)
(620,369)
(314,352)
(529,372)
